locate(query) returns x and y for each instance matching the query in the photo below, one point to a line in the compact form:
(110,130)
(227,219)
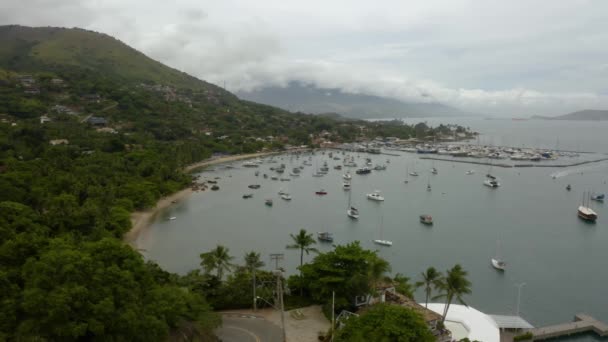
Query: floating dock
(582,323)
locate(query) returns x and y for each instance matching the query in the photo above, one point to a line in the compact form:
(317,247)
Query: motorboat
(268,202)
(492,183)
(338,167)
(380,167)
(598,197)
(172,218)
(250,164)
(375,196)
(413,174)
(347,176)
(426,219)
(247,196)
(325,237)
(286,196)
(215,187)
(568,187)
(383,242)
(346,186)
(470,172)
(321,192)
(254,186)
(363,171)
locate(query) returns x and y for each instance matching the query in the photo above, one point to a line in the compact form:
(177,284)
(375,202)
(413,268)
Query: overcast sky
(493,56)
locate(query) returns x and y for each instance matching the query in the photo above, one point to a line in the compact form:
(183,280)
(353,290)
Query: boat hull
(499,265)
(383,242)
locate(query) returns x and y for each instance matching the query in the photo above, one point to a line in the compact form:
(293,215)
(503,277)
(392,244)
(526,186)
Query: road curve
(248,328)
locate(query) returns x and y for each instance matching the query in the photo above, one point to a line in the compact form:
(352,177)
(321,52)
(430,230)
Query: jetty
(513,165)
(582,323)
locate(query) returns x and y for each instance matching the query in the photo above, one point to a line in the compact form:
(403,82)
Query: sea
(530,220)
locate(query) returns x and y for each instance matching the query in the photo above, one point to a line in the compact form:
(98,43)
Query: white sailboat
(406,175)
(497,261)
(381,241)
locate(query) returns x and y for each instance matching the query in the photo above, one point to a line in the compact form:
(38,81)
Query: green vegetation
(430,278)
(385,322)
(528,336)
(68,186)
(454,285)
(302,241)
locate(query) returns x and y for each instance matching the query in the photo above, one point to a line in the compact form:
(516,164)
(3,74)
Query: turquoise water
(562,260)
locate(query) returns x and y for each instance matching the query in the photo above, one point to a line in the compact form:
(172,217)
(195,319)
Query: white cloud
(494,56)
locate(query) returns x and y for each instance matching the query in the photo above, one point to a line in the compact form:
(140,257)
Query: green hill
(31,49)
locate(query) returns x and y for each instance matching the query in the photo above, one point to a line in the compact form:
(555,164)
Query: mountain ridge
(297,96)
(581,115)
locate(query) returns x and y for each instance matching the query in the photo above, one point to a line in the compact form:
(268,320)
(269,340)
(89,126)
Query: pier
(514,165)
(582,323)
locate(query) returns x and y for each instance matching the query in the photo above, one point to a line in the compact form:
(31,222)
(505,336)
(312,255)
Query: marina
(544,242)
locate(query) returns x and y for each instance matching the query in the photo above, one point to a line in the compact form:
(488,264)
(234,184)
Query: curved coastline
(141,220)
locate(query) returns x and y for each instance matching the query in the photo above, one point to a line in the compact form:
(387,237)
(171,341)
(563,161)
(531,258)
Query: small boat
(247,196)
(414,174)
(338,167)
(434,171)
(274,178)
(215,187)
(317,174)
(470,172)
(250,164)
(363,171)
(285,179)
(375,196)
(352,212)
(265,176)
(499,264)
(428,187)
(383,242)
(426,219)
(598,197)
(325,237)
(286,196)
(490,176)
(347,176)
(212,182)
(257,173)
(497,261)
(492,183)
(568,187)
(268,202)
(254,186)
(346,186)
(321,192)
(380,167)
(172,218)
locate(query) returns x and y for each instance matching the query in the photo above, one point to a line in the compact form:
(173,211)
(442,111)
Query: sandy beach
(140,220)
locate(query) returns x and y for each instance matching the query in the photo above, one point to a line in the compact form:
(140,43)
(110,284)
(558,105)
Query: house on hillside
(92,98)
(56,142)
(44,119)
(97,121)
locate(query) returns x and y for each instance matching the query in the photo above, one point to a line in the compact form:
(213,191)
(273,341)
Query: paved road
(248,328)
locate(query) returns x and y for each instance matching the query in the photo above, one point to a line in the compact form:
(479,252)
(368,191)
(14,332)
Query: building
(97,121)
(44,119)
(467,322)
(59,142)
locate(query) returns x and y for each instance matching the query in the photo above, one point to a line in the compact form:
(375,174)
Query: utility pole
(519,286)
(276,257)
(281,306)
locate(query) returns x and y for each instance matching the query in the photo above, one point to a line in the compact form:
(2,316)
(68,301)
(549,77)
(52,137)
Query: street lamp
(519,286)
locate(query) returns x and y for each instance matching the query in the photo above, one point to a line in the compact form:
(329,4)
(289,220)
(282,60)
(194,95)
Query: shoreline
(141,220)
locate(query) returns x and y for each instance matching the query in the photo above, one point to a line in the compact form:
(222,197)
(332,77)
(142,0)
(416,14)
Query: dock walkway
(582,323)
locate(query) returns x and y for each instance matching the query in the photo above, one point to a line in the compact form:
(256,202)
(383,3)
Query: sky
(502,57)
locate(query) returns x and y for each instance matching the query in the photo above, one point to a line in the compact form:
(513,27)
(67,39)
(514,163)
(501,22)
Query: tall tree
(253,261)
(377,268)
(302,241)
(431,278)
(454,286)
(218,259)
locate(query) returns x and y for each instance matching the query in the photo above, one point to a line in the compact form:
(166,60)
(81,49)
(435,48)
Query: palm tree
(302,241)
(430,278)
(376,270)
(455,285)
(217,259)
(252,261)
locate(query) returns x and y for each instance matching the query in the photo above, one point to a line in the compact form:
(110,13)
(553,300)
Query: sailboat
(428,185)
(497,261)
(381,241)
(414,173)
(406,175)
(351,211)
(585,212)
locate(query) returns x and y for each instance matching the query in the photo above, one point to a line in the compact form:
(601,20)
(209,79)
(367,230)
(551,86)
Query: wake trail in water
(580,169)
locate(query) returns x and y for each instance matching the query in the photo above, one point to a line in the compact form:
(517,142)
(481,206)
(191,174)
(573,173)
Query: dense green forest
(91,130)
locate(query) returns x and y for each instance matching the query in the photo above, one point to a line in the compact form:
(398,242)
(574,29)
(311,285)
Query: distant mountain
(299,97)
(582,115)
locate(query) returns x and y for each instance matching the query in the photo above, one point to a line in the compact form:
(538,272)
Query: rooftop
(478,325)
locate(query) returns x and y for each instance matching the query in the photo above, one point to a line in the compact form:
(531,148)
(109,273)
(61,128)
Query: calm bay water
(562,260)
